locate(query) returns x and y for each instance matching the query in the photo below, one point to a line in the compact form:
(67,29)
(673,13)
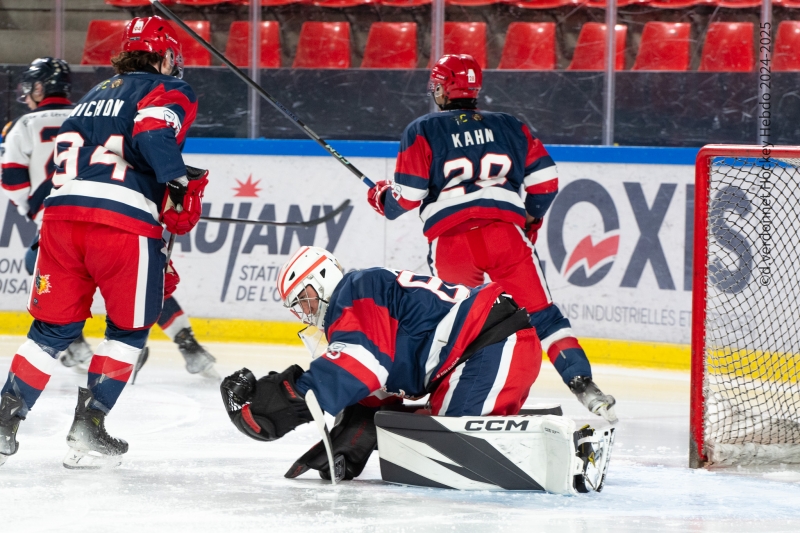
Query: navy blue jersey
(461,165)
(390,332)
(28,155)
(117,150)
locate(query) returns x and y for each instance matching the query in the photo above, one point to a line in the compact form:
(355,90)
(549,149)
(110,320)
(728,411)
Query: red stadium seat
(134,3)
(194,55)
(738,4)
(103,41)
(601,4)
(474,3)
(268,3)
(466,38)
(729,47)
(679,4)
(238,47)
(542,4)
(323,45)
(391,45)
(590,52)
(786,56)
(405,3)
(664,46)
(791,4)
(529,46)
(339,4)
(201,2)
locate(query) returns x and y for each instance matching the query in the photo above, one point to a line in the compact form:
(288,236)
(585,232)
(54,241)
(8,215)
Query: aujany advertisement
(616,243)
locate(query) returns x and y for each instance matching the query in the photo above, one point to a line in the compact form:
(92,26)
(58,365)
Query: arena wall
(616,244)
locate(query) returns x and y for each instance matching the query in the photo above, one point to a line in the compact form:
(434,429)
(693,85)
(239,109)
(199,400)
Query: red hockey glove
(184,201)
(171,280)
(532,229)
(376,195)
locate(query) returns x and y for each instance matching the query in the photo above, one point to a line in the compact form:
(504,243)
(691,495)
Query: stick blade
(319,420)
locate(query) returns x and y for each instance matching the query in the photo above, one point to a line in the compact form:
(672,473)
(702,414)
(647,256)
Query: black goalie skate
(198,360)
(9,423)
(594,448)
(91,447)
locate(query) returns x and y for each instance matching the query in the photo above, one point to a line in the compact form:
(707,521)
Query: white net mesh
(752,342)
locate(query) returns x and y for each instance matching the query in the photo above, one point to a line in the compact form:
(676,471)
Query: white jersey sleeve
(28,156)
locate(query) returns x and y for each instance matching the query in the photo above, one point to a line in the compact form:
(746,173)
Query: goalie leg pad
(536,453)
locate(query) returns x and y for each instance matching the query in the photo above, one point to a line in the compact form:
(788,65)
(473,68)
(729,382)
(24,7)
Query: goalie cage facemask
(309,266)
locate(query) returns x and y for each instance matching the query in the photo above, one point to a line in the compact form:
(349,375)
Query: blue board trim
(652,155)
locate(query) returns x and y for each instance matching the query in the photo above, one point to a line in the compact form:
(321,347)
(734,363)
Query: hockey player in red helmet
(119,179)
(483,183)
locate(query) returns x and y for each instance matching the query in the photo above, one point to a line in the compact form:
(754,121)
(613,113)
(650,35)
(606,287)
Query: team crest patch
(334,350)
(116,83)
(42,283)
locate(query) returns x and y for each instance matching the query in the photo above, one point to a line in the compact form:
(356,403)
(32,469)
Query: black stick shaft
(264,94)
(305,224)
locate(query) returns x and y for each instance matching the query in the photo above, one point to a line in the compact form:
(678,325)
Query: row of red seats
(728,46)
(526,4)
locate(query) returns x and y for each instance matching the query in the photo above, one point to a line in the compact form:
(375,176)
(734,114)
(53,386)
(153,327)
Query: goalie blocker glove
(183,203)
(266,409)
(354,437)
(593,398)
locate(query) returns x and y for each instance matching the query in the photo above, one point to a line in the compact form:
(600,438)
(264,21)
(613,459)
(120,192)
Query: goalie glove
(183,202)
(593,398)
(376,196)
(354,437)
(266,409)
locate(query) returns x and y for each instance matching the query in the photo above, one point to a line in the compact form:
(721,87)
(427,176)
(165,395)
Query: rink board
(616,244)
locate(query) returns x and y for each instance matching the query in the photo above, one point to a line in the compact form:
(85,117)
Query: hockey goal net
(745,392)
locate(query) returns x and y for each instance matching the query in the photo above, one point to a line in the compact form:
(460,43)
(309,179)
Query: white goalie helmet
(309,266)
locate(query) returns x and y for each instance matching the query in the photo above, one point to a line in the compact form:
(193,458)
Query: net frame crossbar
(698,452)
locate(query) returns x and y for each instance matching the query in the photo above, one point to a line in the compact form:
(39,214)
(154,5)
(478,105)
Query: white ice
(188,469)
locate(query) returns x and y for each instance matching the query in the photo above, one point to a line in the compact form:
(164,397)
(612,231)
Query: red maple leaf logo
(248,188)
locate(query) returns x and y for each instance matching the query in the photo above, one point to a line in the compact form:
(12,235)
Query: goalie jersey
(461,165)
(390,331)
(117,150)
(28,155)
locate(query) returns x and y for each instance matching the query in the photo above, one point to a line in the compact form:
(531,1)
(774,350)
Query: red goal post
(745,395)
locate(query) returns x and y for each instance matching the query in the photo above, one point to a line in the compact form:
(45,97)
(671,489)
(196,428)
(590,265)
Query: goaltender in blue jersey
(393,335)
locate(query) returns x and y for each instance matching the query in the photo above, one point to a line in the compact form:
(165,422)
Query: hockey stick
(319,420)
(306,224)
(264,94)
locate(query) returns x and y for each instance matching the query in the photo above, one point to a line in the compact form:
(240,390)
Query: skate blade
(3,459)
(78,460)
(211,373)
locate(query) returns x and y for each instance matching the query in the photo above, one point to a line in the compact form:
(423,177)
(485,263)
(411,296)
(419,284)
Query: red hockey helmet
(155,35)
(459,75)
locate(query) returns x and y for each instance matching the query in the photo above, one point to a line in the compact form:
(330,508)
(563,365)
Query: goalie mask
(310,267)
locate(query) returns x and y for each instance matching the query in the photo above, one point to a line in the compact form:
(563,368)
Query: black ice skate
(198,360)
(77,355)
(91,447)
(9,423)
(594,448)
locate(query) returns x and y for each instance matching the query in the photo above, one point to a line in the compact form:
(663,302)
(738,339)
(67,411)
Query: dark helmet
(52,73)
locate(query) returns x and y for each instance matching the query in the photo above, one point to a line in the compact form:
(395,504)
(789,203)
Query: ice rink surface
(189,469)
